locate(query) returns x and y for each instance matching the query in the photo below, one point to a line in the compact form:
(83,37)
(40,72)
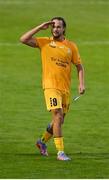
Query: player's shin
(59,143)
(47,134)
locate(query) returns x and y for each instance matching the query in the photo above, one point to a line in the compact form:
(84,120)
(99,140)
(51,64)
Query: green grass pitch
(23,115)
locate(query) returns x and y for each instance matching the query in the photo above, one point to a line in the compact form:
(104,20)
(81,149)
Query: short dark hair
(60,19)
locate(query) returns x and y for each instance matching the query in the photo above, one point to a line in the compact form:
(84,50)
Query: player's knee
(58,116)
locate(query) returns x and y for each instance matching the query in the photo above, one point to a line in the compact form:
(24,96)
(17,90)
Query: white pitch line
(18,2)
(93,43)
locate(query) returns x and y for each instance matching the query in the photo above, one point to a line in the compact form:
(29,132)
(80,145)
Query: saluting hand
(46,25)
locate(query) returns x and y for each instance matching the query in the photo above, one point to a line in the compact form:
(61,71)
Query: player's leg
(58,119)
(54,104)
(65,106)
(47,135)
(53,100)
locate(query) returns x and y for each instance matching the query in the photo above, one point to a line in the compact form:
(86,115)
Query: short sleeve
(75,55)
(41,41)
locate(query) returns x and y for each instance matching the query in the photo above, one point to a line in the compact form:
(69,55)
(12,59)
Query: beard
(56,35)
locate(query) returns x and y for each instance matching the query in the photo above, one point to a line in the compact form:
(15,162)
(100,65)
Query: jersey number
(53,102)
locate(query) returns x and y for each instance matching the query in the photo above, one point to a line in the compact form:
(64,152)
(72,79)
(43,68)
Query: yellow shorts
(57,99)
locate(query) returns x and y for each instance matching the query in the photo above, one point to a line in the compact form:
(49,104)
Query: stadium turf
(23,114)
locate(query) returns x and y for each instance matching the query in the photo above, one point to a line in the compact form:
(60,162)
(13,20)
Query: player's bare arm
(80,71)
(28,38)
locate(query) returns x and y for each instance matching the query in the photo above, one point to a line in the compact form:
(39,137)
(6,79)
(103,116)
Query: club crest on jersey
(69,51)
(52,44)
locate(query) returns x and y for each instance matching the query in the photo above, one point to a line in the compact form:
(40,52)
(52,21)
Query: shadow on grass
(79,155)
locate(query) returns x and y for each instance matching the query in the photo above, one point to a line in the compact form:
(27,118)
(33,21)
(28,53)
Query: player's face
(57,28)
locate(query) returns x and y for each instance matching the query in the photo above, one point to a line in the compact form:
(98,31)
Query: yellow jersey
(57,58)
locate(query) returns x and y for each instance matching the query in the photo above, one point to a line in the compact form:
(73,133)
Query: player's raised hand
(46,25)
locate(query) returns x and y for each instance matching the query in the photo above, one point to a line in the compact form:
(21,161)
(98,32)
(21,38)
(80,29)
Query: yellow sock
(59,143)
(46,136)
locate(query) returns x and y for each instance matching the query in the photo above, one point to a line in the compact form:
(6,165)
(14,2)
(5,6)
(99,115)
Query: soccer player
(58,54)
